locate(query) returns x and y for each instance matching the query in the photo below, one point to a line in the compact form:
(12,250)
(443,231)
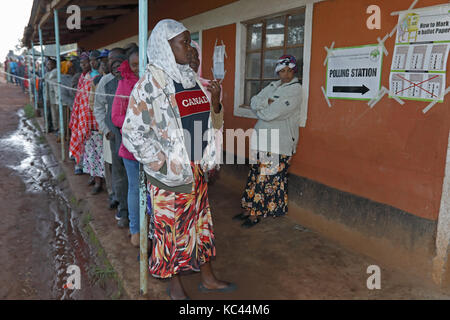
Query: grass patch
(86,218)
(100,274)
(41,140)
(61,177)
(74,203)
(29,111)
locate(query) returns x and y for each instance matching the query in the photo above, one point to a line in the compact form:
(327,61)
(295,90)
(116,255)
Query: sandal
(240,216)
(248,223)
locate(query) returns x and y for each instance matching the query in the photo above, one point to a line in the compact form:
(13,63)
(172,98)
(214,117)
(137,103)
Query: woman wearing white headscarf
(167,117)
(273,143)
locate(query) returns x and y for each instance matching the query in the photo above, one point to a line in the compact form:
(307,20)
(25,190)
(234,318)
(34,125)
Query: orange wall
(391,154)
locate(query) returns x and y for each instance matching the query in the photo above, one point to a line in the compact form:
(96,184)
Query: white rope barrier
(14,76)
(67,87)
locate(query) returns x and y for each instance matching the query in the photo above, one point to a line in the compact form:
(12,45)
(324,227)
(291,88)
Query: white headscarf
(160,53)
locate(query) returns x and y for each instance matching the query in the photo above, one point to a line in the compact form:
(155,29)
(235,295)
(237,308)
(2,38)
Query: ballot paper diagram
(219,61)
(418,69)
(354,72)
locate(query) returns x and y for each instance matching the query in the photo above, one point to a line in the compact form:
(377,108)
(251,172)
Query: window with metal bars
(267,40)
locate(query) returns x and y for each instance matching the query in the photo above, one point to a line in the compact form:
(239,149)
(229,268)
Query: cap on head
(286,61)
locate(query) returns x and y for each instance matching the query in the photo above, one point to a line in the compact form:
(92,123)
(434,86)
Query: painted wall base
(392,237)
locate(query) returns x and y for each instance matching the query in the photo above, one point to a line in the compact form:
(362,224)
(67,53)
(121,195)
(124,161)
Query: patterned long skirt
(183,237)
(266,192)
(93,155)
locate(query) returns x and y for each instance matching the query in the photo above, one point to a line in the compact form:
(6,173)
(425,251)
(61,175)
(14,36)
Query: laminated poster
(219,62)
(354,72)
(419,63)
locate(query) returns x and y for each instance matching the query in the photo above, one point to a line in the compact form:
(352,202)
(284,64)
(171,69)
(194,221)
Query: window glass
(252,88)
(275,32)
(296,29)
(254,36)
(195,37)
(268,39)
(253,65)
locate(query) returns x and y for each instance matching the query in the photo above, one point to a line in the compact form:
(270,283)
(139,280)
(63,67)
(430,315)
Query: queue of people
(16,70)
(119,120)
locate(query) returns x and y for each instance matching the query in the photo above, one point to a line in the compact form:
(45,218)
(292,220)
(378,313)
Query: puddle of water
(58,225)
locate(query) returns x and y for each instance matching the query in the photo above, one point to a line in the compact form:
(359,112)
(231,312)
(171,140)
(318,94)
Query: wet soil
(40,231)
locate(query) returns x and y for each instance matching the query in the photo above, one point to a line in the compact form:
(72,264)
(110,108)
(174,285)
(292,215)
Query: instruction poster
(354,72)
(419,62)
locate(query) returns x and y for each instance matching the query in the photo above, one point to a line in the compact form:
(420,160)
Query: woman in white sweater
(272,144)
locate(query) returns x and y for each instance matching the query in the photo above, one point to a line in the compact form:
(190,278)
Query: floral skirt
(266,192)
(181,231)
(93,155)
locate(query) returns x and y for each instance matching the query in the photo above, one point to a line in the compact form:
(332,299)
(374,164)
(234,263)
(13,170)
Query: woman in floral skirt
(273,142)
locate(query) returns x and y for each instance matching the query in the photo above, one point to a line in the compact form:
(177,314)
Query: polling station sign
(354,72)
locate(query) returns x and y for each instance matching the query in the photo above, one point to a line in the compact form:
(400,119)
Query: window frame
(241,110)
(263,49)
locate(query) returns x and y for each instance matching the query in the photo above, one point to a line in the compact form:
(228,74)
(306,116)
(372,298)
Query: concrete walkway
(277,259)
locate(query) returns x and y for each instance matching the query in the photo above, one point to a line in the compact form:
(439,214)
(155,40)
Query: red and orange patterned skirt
(183,237)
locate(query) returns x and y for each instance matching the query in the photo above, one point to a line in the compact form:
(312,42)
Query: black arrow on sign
(350,89)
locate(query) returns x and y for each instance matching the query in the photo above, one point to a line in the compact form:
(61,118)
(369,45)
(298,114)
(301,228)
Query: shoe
(113,205)
(123,223)
(118,216)
(248,223)
(230,288)
(78,171)
(135,240)
(240,216)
